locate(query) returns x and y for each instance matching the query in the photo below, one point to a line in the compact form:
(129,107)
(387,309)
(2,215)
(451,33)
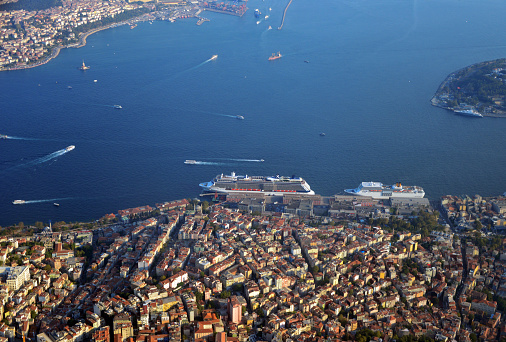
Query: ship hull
(270,186)
(379,191)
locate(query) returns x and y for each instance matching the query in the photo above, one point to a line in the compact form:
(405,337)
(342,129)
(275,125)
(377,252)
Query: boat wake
(42,160)
(47,200)
(206,163)
(20,138)
(48,157)
(247,160)
(208,112)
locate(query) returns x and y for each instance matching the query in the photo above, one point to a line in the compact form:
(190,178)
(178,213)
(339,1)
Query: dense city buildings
(361,269)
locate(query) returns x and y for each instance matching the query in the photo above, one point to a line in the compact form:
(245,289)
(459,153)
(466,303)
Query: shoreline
(56,51)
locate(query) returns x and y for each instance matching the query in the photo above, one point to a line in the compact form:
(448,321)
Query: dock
(201,21)
(284,15)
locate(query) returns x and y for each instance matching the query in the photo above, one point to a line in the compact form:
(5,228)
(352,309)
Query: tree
(473,337)
(225,294)
(315,269)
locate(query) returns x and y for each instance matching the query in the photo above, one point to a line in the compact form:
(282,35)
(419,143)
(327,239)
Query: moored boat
(84,67)
(275,185)
(379,191)
(468,112)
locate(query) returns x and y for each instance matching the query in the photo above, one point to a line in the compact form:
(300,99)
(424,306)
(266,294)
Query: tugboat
(84,67)
(274,56)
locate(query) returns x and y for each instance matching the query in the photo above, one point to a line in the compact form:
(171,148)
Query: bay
(373,68)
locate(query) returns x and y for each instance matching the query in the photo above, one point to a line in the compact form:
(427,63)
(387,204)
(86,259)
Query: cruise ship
(276,185)
(468,112)
(69,148)
(379,191)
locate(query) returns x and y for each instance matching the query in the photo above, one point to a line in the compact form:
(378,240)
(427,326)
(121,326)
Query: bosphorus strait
(371,70)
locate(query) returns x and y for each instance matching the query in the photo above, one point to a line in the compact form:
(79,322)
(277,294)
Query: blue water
(373,68)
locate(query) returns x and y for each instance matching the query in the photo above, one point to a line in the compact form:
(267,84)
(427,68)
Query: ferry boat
(84,67)
(240,117)
(274,56)
(257,13)
(117,106)
(276,185)
(19,202)
(379,191)
(214,57)
(468,112)
(190,161)
(70,148)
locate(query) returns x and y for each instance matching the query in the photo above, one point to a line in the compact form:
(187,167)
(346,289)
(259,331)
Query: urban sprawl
(250,268)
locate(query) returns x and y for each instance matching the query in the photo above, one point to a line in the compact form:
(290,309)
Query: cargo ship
(214,57)
(274,56)
(379,191)
(257,13)
(276,185)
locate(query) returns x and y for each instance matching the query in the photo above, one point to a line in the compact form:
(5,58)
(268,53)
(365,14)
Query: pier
(201,20)
(284,15)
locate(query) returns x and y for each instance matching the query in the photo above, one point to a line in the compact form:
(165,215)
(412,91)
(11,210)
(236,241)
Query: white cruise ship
(249,184)
(379,191)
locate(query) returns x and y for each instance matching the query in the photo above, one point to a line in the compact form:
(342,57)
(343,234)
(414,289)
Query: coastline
(56,51)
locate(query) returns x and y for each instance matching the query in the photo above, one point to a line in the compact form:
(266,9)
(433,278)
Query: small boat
(322,134)
(214,57)
(306,61)
(274,56)
(3,136)
(258,22)
(83,67)
(19,202)
(266,17)
(261,160)
(95,81)
(117,106)
(257,13)
(56,204)
(270,27)
(133,26)
(69,87)
(69,148)
(240,117)
(190,161)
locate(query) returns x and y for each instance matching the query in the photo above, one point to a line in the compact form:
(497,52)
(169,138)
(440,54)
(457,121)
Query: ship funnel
(233,174)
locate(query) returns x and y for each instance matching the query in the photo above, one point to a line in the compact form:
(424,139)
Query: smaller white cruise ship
(379,191)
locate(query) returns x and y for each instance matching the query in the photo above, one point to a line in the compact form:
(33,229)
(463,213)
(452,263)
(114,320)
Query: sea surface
(373,68)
